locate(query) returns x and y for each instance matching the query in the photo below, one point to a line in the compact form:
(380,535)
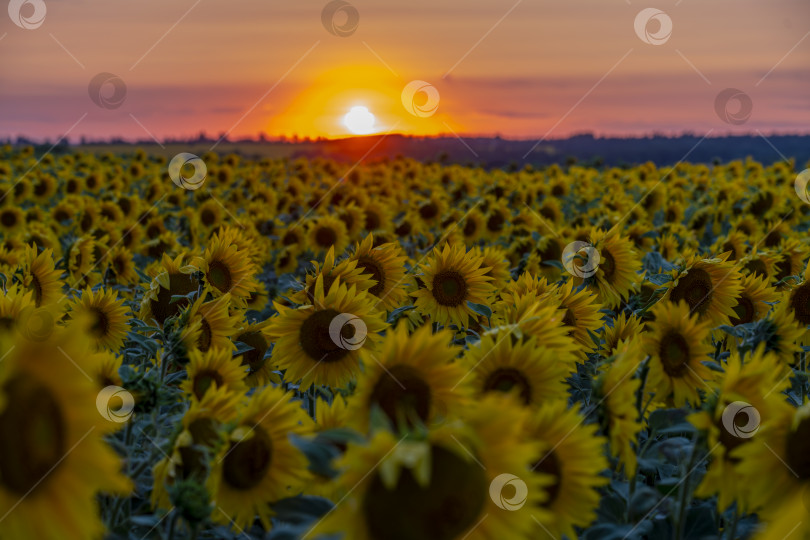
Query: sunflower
(754,300)
(12,220)
(55,459)
(618,388)
(286,261)
(748,394)
(40,276)
(259,370)
(677,343)
(625,326)
(759,263)
(106,317)
(215,368)
(81,260)
(525,367)
(259,463)
(385,265)
(174,278)
(774,464)
(444,480)
(525,283)
(348,271)
(571,457)
(412,379)
(122,266)
(326,232)
(735,243)
(226,269)
(320,343)
(617,269)
(103,367)
(710,288)
(210,325)
(581,314)
(452,279)
(791,261)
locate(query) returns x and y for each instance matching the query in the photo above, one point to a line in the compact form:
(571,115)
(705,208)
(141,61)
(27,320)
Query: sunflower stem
(685,491)
(645,370)
(173,525)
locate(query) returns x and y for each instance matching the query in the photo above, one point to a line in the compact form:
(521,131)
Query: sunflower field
(401,350)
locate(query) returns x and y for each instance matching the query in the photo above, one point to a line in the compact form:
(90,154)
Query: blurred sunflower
(385,265)
(709,287)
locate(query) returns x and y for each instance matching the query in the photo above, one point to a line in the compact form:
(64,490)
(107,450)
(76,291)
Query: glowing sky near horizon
(521,69)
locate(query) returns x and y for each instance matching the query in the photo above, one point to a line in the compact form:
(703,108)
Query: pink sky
(522,69)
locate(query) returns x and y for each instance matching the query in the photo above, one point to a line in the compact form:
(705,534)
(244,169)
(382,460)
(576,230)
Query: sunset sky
(521,69)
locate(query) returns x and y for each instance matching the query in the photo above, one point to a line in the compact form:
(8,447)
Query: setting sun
(359,120)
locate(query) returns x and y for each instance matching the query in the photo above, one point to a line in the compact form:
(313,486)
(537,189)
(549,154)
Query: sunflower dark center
(674,353)
(372,267)
(248,460)
(402,393)
(315,338)
(728,246)
(470,226)
(325,237)
(428,210)
(800,303)
(443,510)
(797,452)
(254,358)
(495,222)
(208,217)
(32,434)
(551,252)
(783,268)
(570,320)
(728,439)
(101,322)
(219,275)
(9,219)
(550,465)
(696,289)
(372,221)
(508,380)
(744,311)
(203,381)
(449,288)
